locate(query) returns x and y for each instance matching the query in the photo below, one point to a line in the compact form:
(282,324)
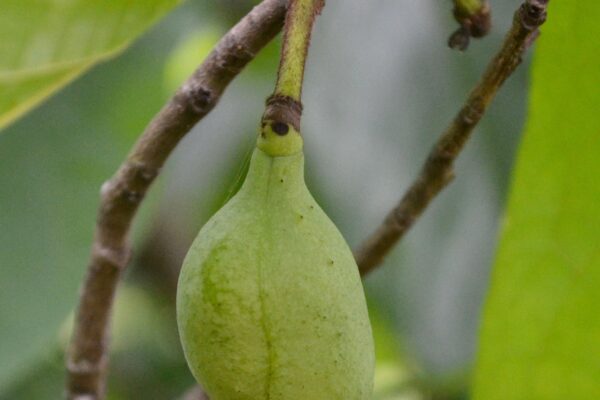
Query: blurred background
(381,85)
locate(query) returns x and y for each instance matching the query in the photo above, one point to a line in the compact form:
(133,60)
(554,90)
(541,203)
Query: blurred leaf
(147,361)
(46,381)
(541,331)
(52,164)
(188,55)
(395,379)
(44,44)
(387,342)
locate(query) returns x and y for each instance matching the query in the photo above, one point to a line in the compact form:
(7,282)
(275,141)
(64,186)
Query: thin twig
(123,193)
(437,172)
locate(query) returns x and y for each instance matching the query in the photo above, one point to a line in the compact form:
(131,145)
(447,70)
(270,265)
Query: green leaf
(52,164)
(540,338)
(44,44)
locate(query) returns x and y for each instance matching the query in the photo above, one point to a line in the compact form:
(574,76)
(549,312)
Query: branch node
(132,196)
(400,220)
(234,60)
(472,112)
(85,367)
(533,13)
(105,189)
(283,109)
(142,171)
(198,98)
(111,190)
(116,257)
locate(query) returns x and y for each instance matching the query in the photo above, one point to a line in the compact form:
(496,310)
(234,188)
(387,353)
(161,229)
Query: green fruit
(270,305)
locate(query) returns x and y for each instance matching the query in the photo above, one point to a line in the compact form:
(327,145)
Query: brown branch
(123,193)
(475,20)
(437,172)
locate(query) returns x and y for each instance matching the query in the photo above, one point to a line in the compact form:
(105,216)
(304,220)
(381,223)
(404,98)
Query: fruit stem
(280,124)
(299,21)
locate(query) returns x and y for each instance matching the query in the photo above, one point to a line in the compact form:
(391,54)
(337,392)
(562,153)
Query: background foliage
(541,334)
(380,86)
(47,43)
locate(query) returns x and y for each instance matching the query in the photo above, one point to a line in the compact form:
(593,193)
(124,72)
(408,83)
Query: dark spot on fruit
(280,128)
(281,180)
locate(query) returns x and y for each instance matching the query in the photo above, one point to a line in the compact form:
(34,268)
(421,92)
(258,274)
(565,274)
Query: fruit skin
(270,305)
